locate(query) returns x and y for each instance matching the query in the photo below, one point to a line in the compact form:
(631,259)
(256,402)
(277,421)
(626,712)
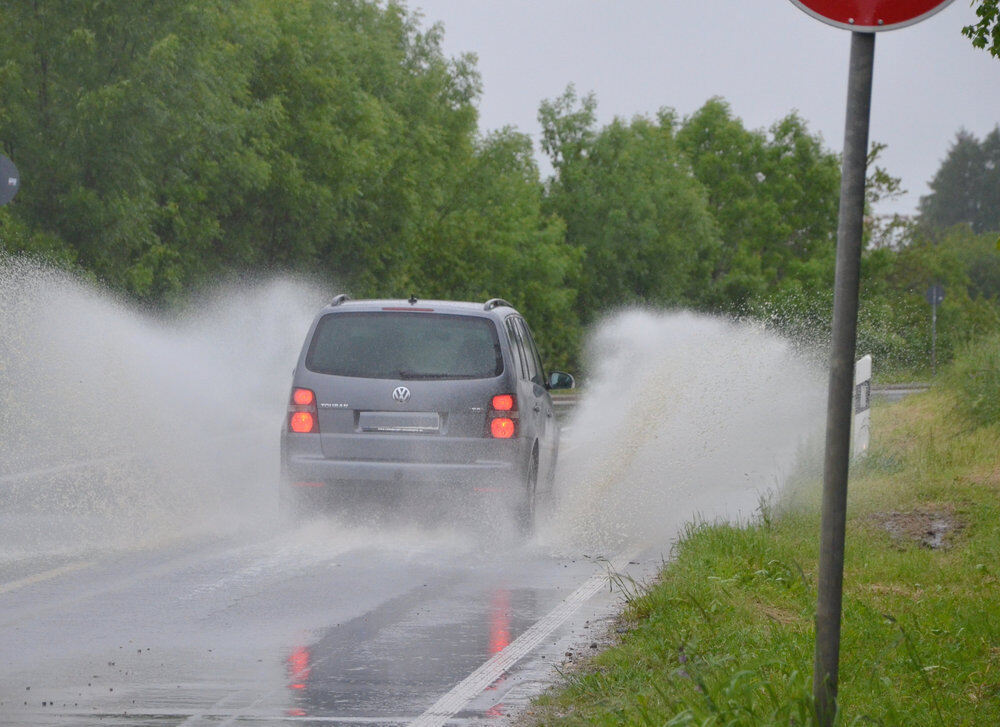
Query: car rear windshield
(388,345)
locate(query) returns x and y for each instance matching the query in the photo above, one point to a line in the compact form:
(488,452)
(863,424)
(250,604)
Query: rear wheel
(527,508)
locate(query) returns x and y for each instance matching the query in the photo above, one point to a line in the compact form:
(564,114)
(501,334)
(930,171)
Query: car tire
(528,505)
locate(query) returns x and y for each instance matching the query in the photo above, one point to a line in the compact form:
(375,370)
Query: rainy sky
(766,57)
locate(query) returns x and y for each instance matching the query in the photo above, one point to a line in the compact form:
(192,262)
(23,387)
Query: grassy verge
(726,635)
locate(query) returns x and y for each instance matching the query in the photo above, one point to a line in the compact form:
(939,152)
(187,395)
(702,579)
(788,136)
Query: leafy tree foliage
(774,197)
(492,236)
(112,112)
(165,144)
(369,124)
(967,265)
(966,187)
(986,32)
(631,207)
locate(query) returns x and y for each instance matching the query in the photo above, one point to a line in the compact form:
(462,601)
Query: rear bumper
(307,469)
(473,463)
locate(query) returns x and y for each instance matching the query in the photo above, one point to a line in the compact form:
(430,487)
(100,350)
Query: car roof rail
(496,303)
(338,299)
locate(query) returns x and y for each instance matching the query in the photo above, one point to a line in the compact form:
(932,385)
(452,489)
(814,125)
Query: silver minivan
(396,395)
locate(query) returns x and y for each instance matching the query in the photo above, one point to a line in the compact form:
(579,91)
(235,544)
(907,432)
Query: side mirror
(561,380)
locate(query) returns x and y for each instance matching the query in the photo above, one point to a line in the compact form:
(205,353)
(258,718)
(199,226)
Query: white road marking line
(469,688)
(210,717)
(45,576)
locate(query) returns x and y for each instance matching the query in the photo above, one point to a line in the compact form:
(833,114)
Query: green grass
(976,376)
(725,637)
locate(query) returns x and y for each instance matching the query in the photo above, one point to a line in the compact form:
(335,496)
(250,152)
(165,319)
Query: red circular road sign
(867,16)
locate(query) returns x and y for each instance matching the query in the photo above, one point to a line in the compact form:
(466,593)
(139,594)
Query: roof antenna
(413,299)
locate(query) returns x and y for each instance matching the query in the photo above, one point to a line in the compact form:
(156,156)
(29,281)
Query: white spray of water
(117,428)
(121,429)
(684,417)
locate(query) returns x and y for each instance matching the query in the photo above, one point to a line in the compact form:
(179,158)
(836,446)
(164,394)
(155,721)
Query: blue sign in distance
(10,180)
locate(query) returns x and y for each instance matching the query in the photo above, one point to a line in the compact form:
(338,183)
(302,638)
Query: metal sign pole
(841,390)
(934,336)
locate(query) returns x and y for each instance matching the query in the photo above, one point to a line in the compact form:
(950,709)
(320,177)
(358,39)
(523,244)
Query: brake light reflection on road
(499,640)
(298,668)
(499,621)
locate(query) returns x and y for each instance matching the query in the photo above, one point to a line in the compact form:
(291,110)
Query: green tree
(491,238)
(966,187)
(631,206)
(894,318)
(986,32)
(370,124)
(121,118)
(164,144)
(774,197)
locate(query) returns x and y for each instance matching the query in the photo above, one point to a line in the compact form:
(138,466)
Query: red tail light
(303,417)
(502,419)
(503,402)
(502,428)
(302,422)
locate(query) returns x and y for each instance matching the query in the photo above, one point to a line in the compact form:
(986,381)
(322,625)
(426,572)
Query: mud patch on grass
(895,589)
(781,615)
(929,527)
(987,475)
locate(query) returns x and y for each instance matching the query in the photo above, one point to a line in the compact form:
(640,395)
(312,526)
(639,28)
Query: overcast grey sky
(766,57)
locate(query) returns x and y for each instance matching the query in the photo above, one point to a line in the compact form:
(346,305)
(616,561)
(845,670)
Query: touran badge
(401,394)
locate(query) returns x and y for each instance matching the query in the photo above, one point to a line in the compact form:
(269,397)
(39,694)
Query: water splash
(118,427)
(122,429)
(685,417)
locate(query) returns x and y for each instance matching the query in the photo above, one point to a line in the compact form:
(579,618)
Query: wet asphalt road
(320,623)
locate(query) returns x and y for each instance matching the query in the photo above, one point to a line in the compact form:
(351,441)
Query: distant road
(895,392)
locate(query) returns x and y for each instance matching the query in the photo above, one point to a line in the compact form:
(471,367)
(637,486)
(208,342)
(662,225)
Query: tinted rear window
(405,346)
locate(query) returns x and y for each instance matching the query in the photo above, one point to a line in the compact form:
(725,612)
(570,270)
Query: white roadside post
(861,429)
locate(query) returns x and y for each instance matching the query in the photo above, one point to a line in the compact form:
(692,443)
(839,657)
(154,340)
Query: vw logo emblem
(401,394)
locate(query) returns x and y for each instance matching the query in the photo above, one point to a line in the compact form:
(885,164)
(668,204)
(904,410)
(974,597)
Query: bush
(975,376)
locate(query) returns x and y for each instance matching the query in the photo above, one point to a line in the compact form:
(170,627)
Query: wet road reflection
(323,624)
(396,657)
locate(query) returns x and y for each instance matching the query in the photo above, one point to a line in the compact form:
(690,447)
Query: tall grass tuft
(975,376)
(726,634)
